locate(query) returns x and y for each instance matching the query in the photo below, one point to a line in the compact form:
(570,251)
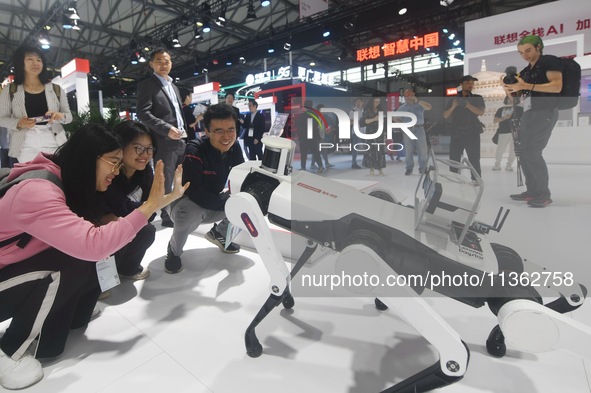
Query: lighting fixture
(402,11)
(265,3)
(71,12)
(198,33)
(445,3)
(141,58)
(349,25)
(287,46)
(229,62)
(67,23)
(206,26)
(133,59)
(325,32)
(241,60)
(312,64)
(195,70)
(75,25)
(271,48)
(44,39)
(175,42)
(343,54)
(250,14)
(204,71)
(221,20)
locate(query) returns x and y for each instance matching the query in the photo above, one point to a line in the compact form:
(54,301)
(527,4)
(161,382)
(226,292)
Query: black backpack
(571,83)
(23,238)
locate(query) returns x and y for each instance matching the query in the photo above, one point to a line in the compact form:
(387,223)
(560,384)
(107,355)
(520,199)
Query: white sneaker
(19,374)
(496,168)
(145,273)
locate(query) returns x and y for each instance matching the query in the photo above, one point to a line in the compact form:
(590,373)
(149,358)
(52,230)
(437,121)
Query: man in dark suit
(254,126)
(159,107)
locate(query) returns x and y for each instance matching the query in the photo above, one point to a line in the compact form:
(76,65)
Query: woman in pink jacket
(50,285)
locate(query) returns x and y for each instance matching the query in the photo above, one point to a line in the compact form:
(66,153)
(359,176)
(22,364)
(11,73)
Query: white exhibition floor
(185,332)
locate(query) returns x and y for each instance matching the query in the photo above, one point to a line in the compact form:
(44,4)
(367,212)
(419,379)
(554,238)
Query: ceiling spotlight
(445,3)
(133,59)
(204,71)
(206,26)
(349,25)
(198,33)
(343,54)
(76,26)
(67,23)
(271,48)
(175,42)
(44,39)
(265,3)
(47,27)
(456,43)
(221,20)
(229,62)
(141,58)
(241,60)
(250,13)
(287,46)
(402,11)
(325,32)
(71,12)
(312,64)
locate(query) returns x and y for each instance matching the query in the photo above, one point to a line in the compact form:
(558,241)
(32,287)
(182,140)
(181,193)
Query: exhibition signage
(404,47)
(284,73)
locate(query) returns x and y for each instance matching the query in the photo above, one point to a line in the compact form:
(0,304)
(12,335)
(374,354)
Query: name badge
(106,270)
(251,132)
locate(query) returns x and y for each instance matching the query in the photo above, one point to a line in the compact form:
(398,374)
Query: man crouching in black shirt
(206,165)
(539,84)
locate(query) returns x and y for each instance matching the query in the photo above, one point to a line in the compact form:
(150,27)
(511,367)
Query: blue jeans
(419,146)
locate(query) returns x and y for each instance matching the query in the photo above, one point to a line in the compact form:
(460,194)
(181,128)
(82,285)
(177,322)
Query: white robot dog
(437,237)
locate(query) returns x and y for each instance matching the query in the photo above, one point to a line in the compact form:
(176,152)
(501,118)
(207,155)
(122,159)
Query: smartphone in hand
(41,119)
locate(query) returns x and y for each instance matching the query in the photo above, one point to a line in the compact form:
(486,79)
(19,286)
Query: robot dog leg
(243,210)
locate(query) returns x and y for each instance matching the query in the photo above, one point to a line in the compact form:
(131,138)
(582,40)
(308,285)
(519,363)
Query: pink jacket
(38,207)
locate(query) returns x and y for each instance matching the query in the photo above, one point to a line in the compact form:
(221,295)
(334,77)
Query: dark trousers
(534,134)
(310,146)
(46,295)
(129,258)
(255,151)
(469,142)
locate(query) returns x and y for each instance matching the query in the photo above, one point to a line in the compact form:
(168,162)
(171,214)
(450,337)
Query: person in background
(254,126)
(540,84)
(207,164)
(413,105)
(230,98)
(326,135)
(309,143)
(503,117)
(357,108)
(192,121)
(129,190)
(35,110)
(375,158)
(462,112)
(159,106)
(49,285)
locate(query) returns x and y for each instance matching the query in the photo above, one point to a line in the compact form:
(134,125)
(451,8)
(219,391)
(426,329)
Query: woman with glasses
(33,108)
(127,192)
(50,284)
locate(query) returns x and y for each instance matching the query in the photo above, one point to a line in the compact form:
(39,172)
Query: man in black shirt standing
(540,84)
(462,112)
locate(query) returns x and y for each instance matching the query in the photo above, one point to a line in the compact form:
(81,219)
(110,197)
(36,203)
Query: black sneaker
(524,196)
(172,263)
(355,166)
(408,172)
(542,201)
(216,238)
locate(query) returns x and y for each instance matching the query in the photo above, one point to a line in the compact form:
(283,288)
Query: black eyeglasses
(222,132)
(139,149)
(116,165)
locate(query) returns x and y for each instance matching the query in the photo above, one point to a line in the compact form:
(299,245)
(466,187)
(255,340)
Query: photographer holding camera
(462,113)
(538,84)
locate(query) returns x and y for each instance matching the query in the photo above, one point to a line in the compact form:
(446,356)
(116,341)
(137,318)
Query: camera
(511,76)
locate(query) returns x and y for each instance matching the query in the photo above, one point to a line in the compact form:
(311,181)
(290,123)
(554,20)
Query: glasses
(222,132)
(116,165)
(139,149)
